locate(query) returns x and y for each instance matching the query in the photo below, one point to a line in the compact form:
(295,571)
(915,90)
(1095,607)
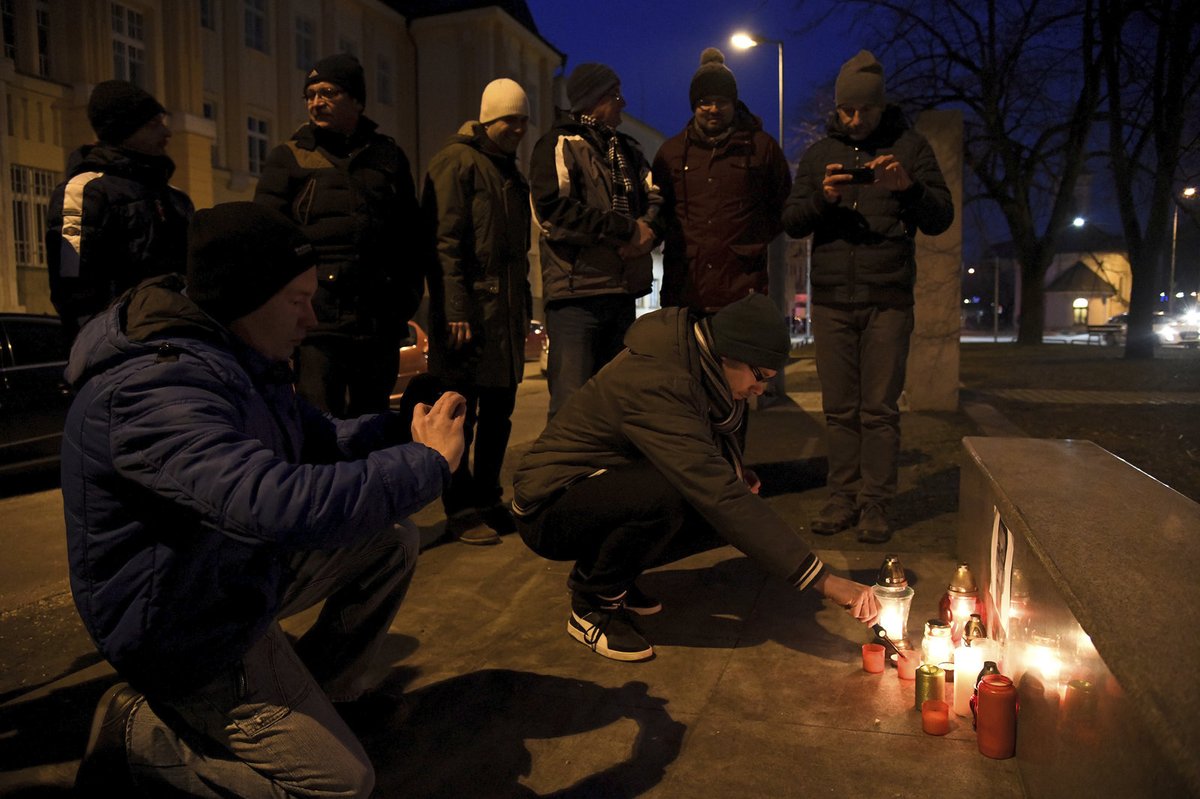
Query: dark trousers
(584,335)
(614,526)
(861,355)
(488,422)
(347,376)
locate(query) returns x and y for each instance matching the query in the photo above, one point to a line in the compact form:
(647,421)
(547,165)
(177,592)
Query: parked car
(1179,330)
(535,341)
(34,397)
(414,360)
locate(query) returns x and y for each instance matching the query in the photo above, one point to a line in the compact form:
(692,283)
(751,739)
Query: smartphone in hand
(857,174)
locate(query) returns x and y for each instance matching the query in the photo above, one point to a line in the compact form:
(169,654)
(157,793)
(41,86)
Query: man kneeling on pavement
(651,447)
(205,501)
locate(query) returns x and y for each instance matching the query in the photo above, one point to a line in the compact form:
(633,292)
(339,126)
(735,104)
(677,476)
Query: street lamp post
(1187,194)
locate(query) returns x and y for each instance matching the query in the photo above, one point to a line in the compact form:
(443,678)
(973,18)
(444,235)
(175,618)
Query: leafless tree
(1151,57)
(1026,74)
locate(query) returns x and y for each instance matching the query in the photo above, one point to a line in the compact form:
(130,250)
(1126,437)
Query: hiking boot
(640,603)
(873,527)
(605,627)
(500,518)
(833,518)
(469,528)
(104,770)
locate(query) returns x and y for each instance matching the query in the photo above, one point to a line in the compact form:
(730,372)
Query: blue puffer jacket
(190,473)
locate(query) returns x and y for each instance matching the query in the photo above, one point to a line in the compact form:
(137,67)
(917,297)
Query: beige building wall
(424,77)
(1111,267)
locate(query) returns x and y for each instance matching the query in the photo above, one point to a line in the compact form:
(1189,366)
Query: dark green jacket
(862,249)
(354,197)
(650,404)
(478,204)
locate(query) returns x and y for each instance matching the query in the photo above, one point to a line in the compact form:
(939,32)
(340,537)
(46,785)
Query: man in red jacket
(724,182)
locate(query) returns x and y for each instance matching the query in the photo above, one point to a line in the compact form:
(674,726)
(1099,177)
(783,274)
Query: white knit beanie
(503,98)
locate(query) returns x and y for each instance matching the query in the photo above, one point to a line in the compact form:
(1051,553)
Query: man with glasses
(724,181)
(115,220)
(351,190)
(595,204)
(863,225)
(649,451)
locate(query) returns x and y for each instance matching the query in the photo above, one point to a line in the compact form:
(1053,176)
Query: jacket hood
(114,160)
(891,125)
(137,323)
(666,334)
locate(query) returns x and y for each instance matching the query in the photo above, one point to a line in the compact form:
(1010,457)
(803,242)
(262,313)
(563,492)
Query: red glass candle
(997,717)
(906,667)
(872,658)
(935,717)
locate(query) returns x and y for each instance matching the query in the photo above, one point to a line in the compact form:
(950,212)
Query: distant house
(1087,282)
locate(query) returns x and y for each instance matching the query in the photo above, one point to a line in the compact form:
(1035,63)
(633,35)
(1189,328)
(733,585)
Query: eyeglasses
(325,93)
(759,377)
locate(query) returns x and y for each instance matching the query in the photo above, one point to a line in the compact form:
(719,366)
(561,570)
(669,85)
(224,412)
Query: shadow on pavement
(467,736)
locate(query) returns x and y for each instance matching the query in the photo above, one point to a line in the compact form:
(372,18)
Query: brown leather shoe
(479,535)
(104,770)
(873,526)
(833,518)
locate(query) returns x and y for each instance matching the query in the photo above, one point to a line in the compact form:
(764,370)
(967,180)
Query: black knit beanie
(239,255)
(341,70)
(713,79)
(752,331)
(588,83)
(117,109)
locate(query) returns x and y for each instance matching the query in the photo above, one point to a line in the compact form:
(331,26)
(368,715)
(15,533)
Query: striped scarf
(724,412)
(622,182)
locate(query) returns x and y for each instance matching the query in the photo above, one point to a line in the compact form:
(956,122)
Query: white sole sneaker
(632,647)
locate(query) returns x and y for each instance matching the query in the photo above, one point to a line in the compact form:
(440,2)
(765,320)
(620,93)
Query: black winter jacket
(112,223)
(572,190)
(355,198)
(862,250)
(478,204)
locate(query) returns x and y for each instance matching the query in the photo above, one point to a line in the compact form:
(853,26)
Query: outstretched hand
(440,426)
(858,599)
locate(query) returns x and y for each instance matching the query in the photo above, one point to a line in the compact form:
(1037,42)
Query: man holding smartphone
(863,192)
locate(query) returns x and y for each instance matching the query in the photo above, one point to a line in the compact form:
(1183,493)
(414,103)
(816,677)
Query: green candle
(931,684)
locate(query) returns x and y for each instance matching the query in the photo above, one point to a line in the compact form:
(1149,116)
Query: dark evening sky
(655,48)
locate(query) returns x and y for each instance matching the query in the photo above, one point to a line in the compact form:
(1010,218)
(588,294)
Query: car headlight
(1167,334)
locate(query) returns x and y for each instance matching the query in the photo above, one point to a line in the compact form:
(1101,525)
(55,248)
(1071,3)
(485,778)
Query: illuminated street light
(1079,221)
(1187,194)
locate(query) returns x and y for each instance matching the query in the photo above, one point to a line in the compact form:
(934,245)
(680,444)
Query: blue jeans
(861,354)
(584,335)
(267,727)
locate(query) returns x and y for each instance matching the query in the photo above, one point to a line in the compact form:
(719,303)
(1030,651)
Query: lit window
(129,45)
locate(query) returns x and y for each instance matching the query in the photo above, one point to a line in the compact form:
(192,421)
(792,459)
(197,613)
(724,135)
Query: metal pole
(995,299)
(1171,280)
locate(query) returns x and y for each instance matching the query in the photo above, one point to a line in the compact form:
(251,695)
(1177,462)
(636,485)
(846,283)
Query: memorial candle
(895,599)
(935,717)
(931,684)
(968,660)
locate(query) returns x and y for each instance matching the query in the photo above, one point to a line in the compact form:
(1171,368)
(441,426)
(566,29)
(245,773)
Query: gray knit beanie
(860,81)
(752,331)
(588,83)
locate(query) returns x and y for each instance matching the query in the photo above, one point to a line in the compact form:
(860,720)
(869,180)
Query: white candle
(968,660)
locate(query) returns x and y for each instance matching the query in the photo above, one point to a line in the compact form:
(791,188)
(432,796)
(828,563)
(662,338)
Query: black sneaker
(873,526)
(499,518)
(104,770)
(640,603)
(833,518)
(605,627)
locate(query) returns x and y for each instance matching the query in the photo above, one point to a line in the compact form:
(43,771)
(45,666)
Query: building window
(383,78)
(306,48)
(258,141)
(256,25)
(208,17)
(42,17)
(129,45)
(210,112)
(31,199)
(8,16)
